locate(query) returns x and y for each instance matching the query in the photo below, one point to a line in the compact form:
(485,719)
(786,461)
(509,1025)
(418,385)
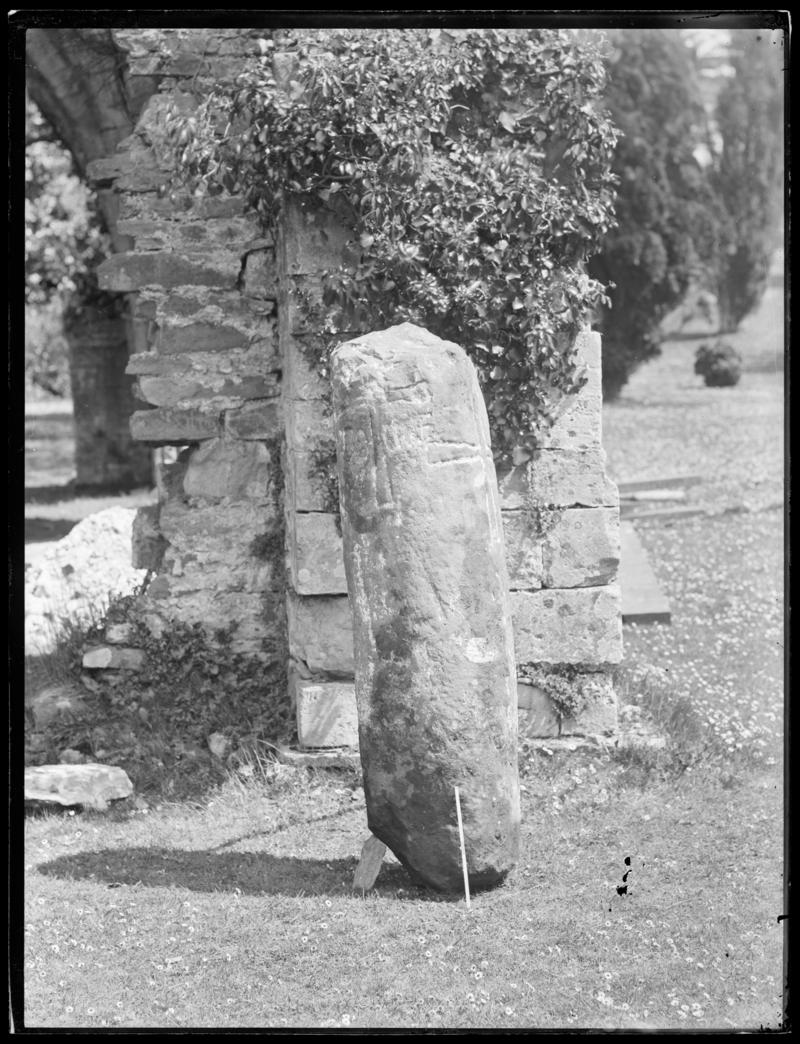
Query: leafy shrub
(667,226)
(719,364)
(472,167)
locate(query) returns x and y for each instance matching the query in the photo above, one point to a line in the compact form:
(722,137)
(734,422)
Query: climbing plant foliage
(473,167)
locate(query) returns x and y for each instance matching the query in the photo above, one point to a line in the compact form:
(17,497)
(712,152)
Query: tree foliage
(64,241)
(668,229)
(747,171)
(473,167)
(64,236)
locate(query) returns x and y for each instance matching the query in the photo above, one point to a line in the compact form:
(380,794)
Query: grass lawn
(649,888)
(240,913)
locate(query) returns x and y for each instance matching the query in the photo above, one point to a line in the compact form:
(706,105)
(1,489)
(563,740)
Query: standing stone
(424,555)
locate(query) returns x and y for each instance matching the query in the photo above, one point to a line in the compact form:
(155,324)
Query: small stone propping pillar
(426,572)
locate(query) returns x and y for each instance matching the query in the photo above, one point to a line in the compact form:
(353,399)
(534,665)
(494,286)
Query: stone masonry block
(131,271)
(306,488)
(523,552)
(581,625)
(227,468)
(255,420)
(582,549)
(307,424)
(214,610)
(327,715)
(190,576)
(562,478)
(260,275)
(135,170)
(302,378)
(192,387)
(321,632)
(578,424)
(215,530)
(165,426)
(173,339)
(217,307)
(316,560)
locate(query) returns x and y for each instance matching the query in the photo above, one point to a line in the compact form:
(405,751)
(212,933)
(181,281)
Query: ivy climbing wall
(560,517)
(246,531)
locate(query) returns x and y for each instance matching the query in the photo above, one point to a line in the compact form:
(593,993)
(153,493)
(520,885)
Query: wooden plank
(643,601)
(669,482)
(369,864)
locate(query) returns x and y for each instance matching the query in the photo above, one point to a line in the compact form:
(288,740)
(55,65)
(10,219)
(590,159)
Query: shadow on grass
(251,873)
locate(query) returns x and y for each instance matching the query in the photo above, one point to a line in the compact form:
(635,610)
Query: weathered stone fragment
(115,657)
(92,785)
(434,656)
(581,625)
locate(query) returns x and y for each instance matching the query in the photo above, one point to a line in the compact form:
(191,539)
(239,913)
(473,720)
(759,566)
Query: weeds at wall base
(155,723)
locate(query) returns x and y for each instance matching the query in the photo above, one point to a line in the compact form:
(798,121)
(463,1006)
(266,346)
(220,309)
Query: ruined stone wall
(209,370)
(226,373)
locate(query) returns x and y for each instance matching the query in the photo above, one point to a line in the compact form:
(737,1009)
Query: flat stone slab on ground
(93,785)
(643,601)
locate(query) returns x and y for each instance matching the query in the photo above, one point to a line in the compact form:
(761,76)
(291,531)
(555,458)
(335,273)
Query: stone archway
(77,79)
